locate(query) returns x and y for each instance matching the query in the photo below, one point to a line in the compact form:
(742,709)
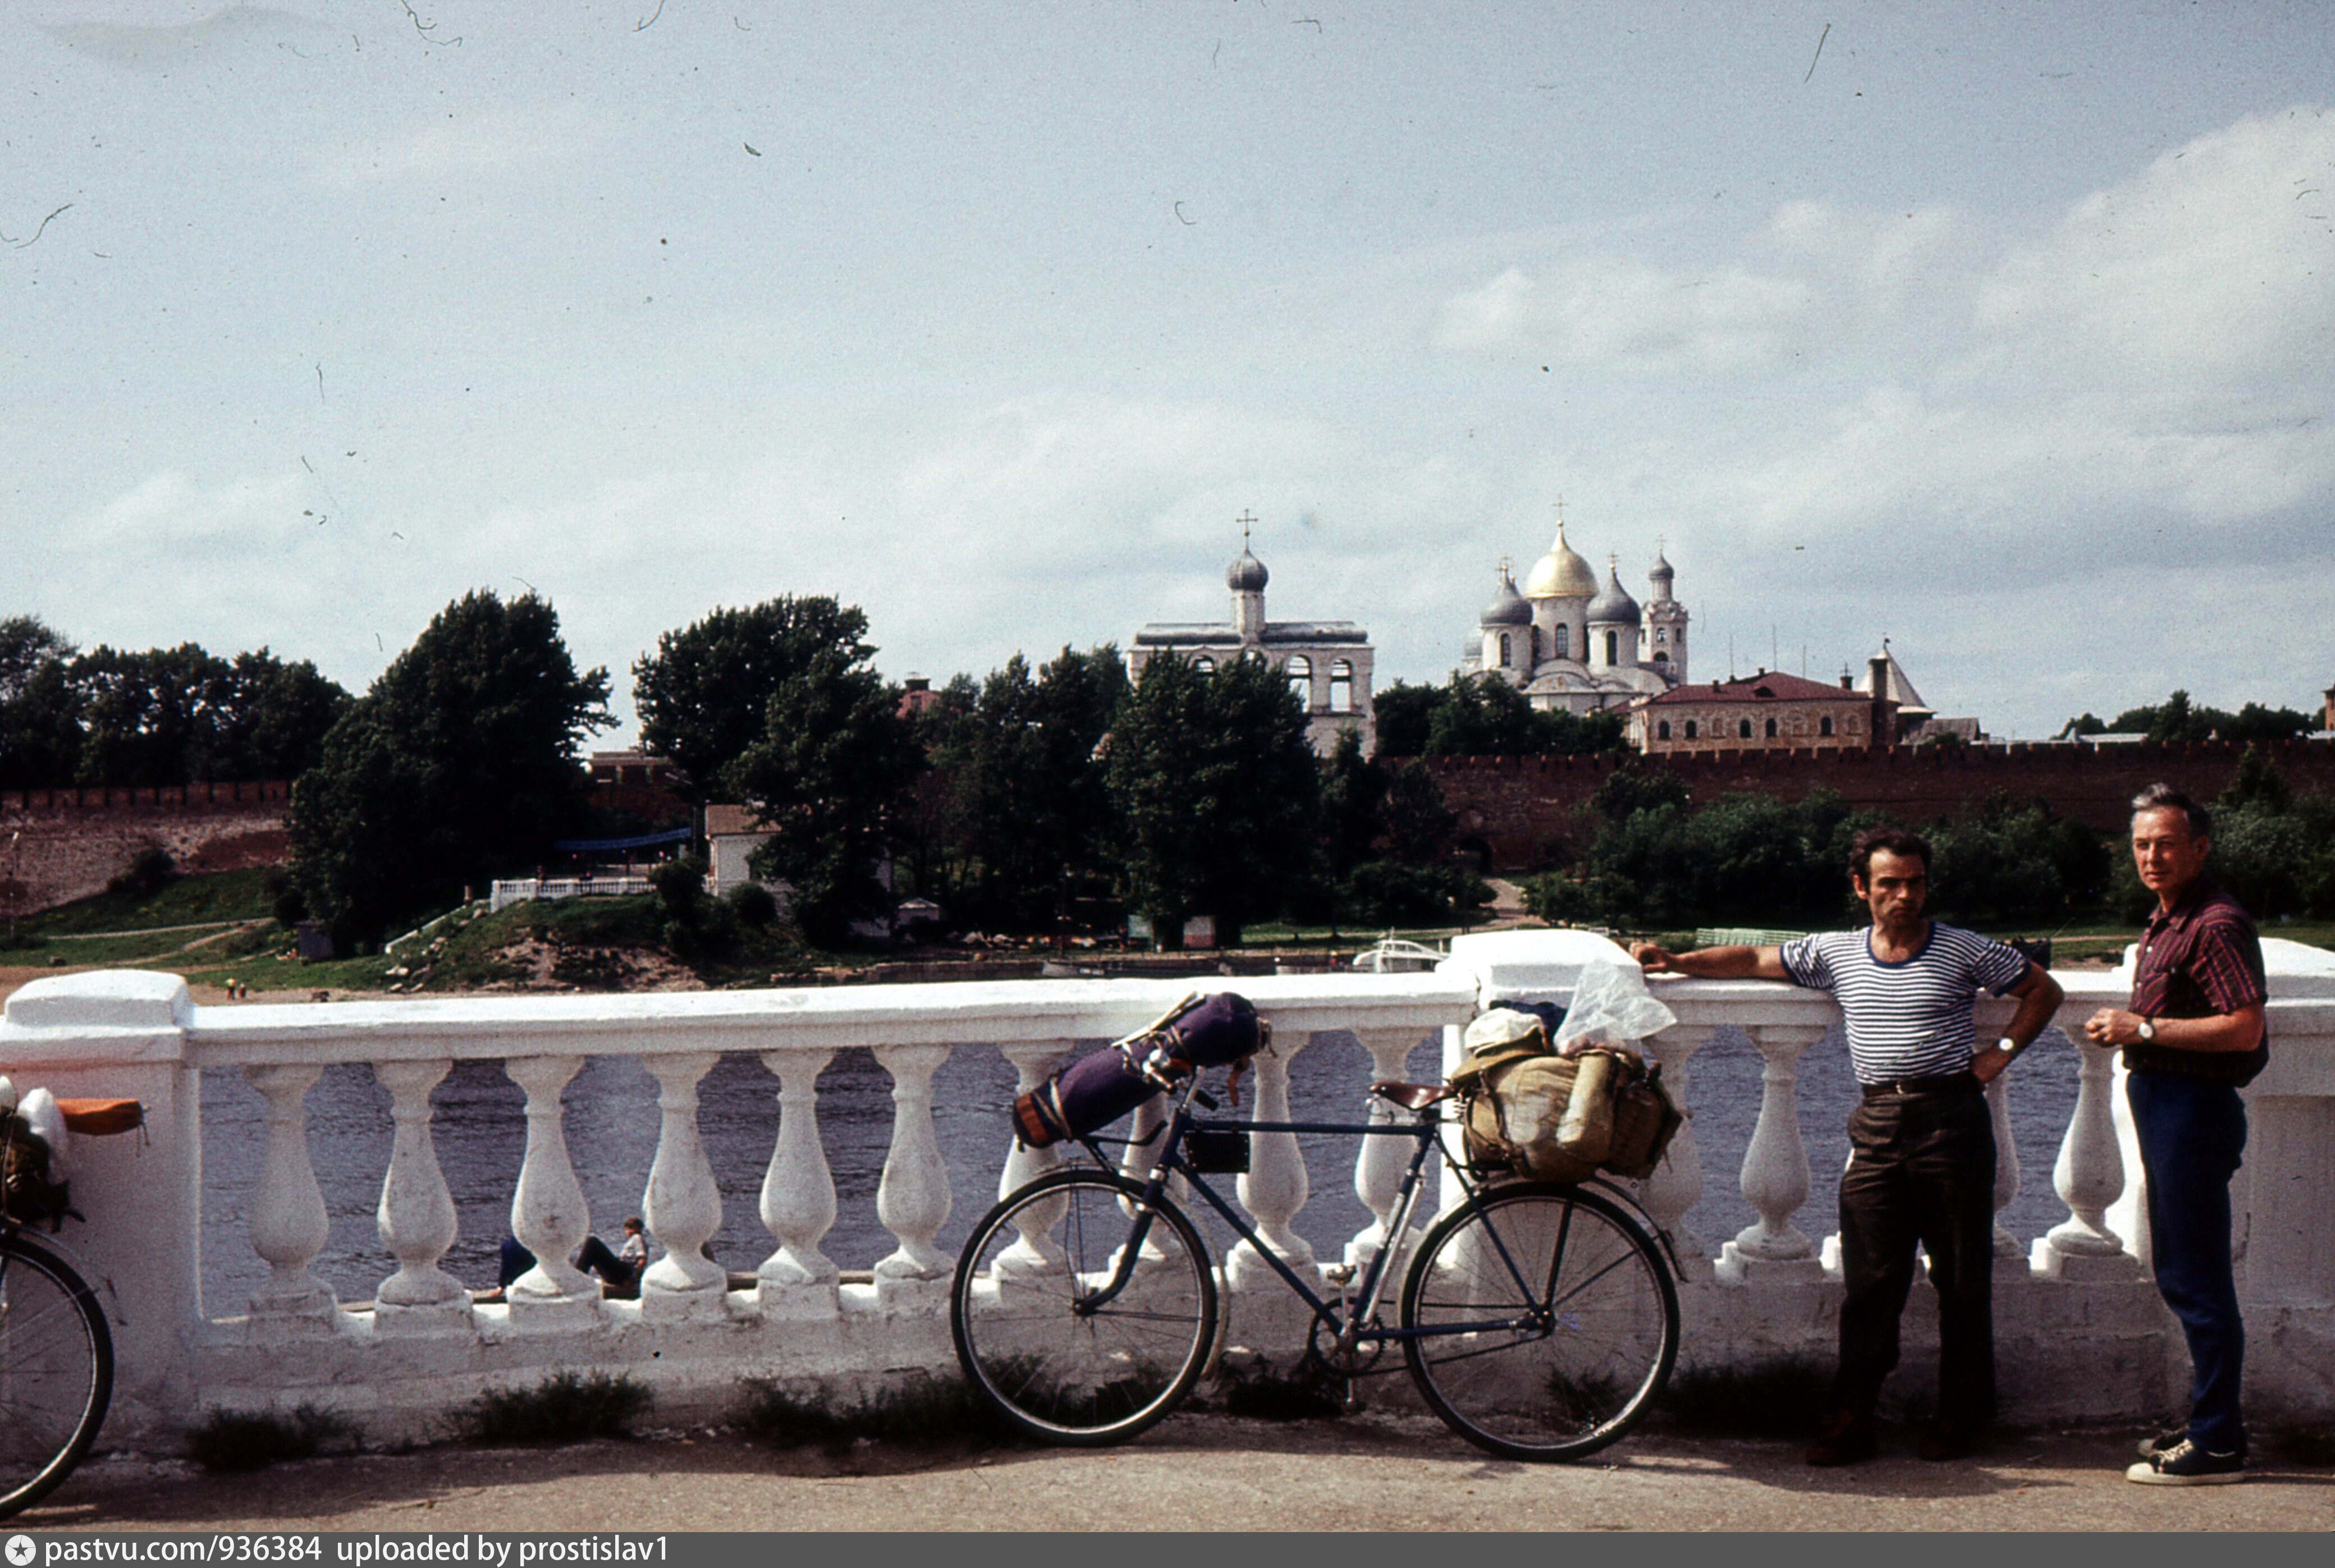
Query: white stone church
(1569,643)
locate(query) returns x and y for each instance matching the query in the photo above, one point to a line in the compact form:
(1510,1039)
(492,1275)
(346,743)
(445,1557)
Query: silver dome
(1612,603)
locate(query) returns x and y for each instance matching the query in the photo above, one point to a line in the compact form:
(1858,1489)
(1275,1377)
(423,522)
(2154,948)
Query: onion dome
(1247,574)
(1612,603)
(1508,607)
(1661,575)
(1561,574)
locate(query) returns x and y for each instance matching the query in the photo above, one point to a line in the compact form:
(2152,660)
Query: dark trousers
(2192,1134)
(1921,1172)
(593,1256)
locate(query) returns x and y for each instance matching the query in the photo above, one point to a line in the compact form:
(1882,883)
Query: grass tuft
(565,1407)
(1309,1391)
(926,1412)
(235,1441)
(1784,1397)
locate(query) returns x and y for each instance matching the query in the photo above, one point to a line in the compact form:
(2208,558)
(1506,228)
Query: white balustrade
(682,1206)
(2088,1176)
(1776,1165)
(912,1199)
(1276,1187)
(797,1203)
(289,1225)
(1676,1185)
(549,1214)
(332,1357)
(416,1217)
(1380,1164)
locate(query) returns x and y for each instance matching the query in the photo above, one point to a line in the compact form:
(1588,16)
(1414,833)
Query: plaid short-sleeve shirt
(2199,959)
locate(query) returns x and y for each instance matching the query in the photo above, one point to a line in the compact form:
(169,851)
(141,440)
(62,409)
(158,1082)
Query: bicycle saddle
(1411,1096)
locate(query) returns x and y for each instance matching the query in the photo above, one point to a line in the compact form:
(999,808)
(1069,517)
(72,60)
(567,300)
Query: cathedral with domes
(1568,643)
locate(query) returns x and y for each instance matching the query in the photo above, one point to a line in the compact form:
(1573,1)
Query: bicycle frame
(1346,1328)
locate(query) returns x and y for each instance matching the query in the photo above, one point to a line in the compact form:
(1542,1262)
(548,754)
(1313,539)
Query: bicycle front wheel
(1038,1329)
(56,1372)
(1544,1322)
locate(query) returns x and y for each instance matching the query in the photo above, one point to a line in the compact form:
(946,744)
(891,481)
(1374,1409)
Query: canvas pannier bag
(1564,1118)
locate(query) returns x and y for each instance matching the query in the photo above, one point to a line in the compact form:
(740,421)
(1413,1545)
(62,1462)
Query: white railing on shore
(423,1344)
(501,895)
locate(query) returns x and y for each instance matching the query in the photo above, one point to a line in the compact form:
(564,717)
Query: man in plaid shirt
(2194,1035)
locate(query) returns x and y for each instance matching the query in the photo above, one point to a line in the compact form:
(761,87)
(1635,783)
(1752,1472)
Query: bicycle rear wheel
(1552,1321)
(56,1371)
(1031,1334)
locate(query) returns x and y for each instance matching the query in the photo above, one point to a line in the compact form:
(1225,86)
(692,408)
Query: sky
(2006,331)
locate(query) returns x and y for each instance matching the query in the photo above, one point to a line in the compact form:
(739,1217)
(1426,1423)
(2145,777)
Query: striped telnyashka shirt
(1908,1020)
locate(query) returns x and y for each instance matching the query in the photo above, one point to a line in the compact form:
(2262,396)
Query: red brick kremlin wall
(1516,807)
(60,845)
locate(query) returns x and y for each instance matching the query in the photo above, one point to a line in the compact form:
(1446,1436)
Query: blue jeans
(2192,1134)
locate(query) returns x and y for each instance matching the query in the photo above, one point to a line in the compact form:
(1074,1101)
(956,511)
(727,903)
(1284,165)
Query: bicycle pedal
(1339,1274)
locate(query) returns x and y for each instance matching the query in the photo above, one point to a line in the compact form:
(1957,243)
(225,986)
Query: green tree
(1216,790)
(704,696)
(1478,717)
(1353,805)
(272,718)
(458,765)
(40,709)
(1402,714)
(1417,823)
(2010,864)
(148,718)
(831,771)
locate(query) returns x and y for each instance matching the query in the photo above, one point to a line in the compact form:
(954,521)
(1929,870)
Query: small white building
(732,835)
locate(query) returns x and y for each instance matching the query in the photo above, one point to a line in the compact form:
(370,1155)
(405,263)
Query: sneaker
(1846,1439)
(1953,1440)
(2165,1442)
(2187,1465)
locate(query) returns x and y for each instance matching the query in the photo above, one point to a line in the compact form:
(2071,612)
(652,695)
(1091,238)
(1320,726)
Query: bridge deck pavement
(1201,1471)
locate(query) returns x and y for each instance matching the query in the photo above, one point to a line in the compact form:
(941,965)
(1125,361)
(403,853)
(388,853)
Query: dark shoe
(1846,1439)
(2187,1465)
(1955,1441)
(2165,1442)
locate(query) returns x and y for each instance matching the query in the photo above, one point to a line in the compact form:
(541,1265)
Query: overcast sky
(2002,331)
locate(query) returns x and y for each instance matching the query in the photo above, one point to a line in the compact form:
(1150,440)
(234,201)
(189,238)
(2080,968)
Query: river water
(612,1120)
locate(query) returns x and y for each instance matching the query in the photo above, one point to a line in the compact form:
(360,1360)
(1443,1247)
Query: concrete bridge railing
(2079,1330)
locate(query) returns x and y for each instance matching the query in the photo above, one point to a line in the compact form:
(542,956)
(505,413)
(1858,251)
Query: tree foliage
(1215,789)
(458,765)
(160,716)
(2177,720)
(827,775)
(1473,716)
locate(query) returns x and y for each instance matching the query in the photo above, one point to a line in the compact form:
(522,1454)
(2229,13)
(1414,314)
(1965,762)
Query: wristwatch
(2147,1032)
(2008,1046)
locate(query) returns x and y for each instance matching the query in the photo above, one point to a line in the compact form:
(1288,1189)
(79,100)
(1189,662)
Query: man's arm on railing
(1712,963)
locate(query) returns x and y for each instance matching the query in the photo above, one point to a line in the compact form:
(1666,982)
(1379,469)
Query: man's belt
(1943,1083)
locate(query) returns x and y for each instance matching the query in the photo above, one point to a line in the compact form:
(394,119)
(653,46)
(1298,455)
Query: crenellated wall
(60,845)
(1518,806)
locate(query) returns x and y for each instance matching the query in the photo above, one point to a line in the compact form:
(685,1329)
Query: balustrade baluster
(2088,1176)
(416,1216)
(682,1206)
(549,1214)
(1676,1186)
(1380,1164)
(289,1225)
(912,1199)
(1776,1166)
(1035,1251)
(797,1281)
(2009,1257)
(1276,1187)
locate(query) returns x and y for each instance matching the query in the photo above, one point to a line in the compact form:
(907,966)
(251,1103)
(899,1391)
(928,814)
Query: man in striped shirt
(1920,1166)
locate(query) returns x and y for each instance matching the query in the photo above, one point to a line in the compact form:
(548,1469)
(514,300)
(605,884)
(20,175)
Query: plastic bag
(1611,1007)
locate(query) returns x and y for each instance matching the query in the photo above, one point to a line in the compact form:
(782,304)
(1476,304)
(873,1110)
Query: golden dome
(1561,574)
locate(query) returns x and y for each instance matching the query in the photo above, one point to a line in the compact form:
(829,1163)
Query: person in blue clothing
(1921,1167)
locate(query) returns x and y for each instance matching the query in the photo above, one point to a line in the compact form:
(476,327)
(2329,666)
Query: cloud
(484,144)
(1623,314)
(237,30)
(2216,262)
